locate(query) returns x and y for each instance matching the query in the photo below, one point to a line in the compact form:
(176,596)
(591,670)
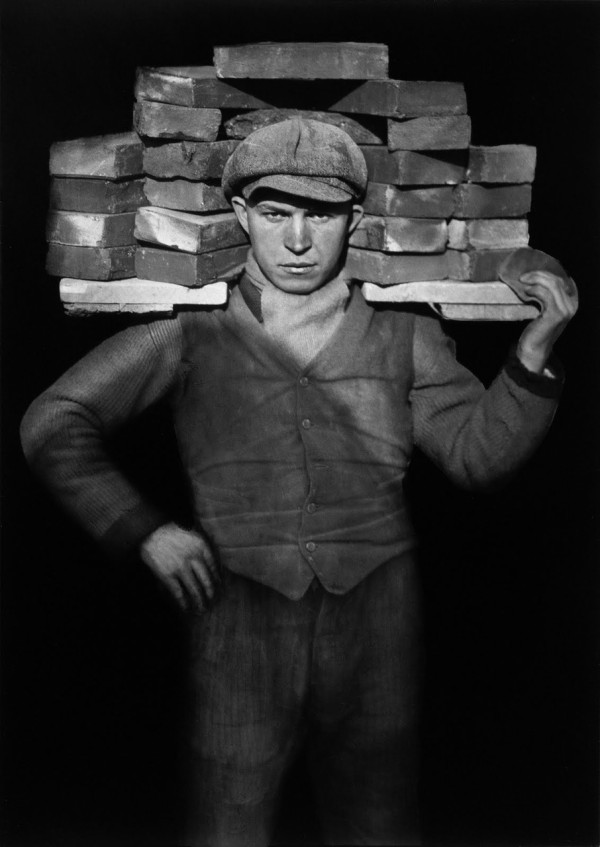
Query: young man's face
(297,242)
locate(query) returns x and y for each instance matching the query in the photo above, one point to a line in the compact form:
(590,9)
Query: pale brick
(390,200)
(102,156)
(497,201)
(185,195)
(100,263)
(370,266)
(488,234)
(162,120)
(87,229)
(302,60)
(187,268)
(506,163)
(103,196)
(452,132)
(242,125)
(442,292)
(188,159)
(188,232)
(138,295)
(400,235)
(476,265)
(411,168)
(487,312)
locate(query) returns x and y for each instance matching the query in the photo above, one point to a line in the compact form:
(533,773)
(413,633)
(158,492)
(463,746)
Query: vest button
(303,381)
(311,508)
(311,546)
(306,423)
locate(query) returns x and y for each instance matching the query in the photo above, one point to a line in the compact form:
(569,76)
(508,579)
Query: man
(296,410)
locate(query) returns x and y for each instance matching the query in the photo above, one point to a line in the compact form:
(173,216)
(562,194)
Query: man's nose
(297,234)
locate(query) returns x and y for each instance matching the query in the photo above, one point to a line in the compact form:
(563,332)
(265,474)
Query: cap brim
(310,188)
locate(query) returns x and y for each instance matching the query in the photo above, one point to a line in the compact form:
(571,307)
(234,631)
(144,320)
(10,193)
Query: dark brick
(96,195)
(101,263)
(187,268)
(302,60)
(241,126)
(389,200)
(498,201)
(188,159)
(410,168)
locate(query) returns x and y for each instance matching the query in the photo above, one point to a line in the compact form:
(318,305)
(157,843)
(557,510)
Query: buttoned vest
(298,473)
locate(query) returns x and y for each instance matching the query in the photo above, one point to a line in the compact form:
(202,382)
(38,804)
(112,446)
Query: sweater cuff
(548,384)
(123,539)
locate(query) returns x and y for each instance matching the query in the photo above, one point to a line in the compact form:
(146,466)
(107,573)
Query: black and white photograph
(300,423)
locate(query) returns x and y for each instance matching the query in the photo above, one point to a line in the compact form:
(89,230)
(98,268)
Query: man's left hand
(558,299)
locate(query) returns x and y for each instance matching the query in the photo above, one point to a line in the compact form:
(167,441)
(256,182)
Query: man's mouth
(298,267)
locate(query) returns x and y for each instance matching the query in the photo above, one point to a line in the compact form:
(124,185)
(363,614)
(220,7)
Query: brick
(491,233)
(403,99)
(513,163)
(302,60)
(486,312)
(188,232)
(96,195)
(411,168)
(141,293)
(389,200)
(84,310)
(442,291)
(86,229)
(400,235)
(241,126)
(187,268)
(100,263)
(193,86)
(162,120)
(185,195)
(102,156)
(476,265)
(370,266)
(188,159)
(452,132)
(498,201)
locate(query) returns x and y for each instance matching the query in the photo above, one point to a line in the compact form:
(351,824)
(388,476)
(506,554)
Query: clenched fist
(184,563)
(534,275)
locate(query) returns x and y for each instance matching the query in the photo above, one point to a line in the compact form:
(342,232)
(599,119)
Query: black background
(92,656)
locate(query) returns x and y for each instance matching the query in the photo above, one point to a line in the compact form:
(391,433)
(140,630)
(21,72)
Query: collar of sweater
(301,323)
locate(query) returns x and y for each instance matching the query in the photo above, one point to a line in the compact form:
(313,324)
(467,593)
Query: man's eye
(318,216)
(274,216)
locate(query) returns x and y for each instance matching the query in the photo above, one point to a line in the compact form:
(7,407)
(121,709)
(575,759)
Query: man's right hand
(184,563)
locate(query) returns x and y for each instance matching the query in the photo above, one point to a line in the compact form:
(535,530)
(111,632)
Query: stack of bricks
(441,215)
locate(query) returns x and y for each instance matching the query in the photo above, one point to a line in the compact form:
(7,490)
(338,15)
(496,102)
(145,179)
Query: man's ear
(241,212)
(355,218)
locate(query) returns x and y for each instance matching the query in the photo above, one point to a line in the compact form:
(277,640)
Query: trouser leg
(249,666)
(364,729)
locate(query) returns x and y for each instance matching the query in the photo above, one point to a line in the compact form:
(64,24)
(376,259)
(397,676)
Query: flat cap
(300,156)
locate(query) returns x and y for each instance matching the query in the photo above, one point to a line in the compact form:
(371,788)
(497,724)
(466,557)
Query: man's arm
(64,435)
(481,437)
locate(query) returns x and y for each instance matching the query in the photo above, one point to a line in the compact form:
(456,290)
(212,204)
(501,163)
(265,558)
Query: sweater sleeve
(479,437)
(64,431)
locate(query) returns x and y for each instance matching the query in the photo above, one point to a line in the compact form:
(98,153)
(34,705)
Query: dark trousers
(339,673)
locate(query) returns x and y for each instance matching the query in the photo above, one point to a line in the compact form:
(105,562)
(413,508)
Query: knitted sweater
(295,471)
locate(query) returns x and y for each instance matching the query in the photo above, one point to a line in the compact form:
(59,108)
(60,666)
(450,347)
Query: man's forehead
(271,197)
